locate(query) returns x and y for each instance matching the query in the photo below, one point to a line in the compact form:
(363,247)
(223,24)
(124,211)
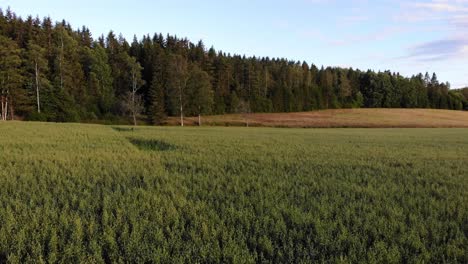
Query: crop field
(339,118)
(74,193)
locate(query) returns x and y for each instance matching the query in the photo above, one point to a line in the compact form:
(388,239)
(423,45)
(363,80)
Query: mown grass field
(75,193)
(341,118)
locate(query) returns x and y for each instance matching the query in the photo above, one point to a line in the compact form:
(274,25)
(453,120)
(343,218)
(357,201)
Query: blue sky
(406,36)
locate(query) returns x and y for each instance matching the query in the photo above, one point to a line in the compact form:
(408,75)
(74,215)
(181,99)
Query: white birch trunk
(37,90)
(133,98)
(60,62)
(2,107)
(181,107)
(1,102)
(6,109)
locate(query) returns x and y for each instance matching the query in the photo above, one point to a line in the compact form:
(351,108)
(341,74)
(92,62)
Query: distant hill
(372,118)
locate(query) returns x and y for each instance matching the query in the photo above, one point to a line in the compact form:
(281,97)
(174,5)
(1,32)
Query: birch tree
(243,108)
(178,76)
(37,67)
(133,102)
(101,80)
(69,68)
(200,93)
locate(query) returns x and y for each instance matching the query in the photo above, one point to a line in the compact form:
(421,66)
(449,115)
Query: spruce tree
(11,80)
(156,112)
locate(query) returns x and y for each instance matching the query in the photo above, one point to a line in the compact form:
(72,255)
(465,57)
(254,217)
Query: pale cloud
(437,29)
(442,6)
(448,15)
(415,16)
(378,35)
(449,11)
(464,50)
(317,1)
(460,21)
(355,19)
(439,50)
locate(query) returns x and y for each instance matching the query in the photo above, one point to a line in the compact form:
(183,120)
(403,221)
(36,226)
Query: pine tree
(11,92)
(156,111)
(345,91)
(326,84)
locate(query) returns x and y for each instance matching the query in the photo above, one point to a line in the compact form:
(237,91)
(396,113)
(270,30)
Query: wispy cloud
(378,35)
(460,21)
(449,11)
(442,6)
(449,15)
(356,18)
(439,50)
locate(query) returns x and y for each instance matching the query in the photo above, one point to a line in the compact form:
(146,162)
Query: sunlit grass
(90,193)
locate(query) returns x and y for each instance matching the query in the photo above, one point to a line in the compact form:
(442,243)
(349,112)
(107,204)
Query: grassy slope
(364,118)
(89,193)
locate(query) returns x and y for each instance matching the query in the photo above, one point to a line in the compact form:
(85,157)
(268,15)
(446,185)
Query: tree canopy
(52,72)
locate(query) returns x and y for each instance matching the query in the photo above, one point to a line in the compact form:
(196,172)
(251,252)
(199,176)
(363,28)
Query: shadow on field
(123,129)
(151,144)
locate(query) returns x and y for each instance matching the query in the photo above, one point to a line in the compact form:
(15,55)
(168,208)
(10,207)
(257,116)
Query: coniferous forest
(86,193)
(51,72)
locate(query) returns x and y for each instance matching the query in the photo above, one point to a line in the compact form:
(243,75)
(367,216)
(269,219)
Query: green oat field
(74,193)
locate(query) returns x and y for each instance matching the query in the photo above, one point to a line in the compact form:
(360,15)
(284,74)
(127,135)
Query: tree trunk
(181,116)
(37,90)
(181,108)
(133,98)
(199,119)
(5,114)
(60,62)
(12,111)
(133,109)
(3,106)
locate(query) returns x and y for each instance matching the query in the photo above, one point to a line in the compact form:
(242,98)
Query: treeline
(50,72)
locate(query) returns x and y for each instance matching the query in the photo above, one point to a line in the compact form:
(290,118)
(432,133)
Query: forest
(52,72)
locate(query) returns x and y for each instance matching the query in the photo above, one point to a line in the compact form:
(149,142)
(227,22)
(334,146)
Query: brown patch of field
(371,118)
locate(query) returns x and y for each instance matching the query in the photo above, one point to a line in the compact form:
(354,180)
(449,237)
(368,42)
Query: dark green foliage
(156,108)
(124,129)
(12,93)
(156,145)
(176,83)
(199,92)
(464,97)
(79,78)
(101,81)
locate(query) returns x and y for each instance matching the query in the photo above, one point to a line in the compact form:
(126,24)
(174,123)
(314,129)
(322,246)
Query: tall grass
(88,193)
